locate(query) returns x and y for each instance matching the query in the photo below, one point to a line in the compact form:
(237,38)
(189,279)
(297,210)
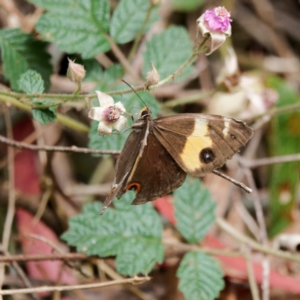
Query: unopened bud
(76,72)
(152,77)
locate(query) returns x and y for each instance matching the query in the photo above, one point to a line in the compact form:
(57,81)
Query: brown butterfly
(159,153)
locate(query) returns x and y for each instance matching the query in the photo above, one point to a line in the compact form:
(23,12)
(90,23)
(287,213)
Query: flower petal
(120,106)
(120,123)
(104,128)
(216,40)
(104,99)
(95,113)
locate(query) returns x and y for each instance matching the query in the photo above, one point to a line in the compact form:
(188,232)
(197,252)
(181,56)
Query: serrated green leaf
(168,51)
(109,80)
(20,52)
(200,277)
(132,104)
(133,235)
(194,210)
(187,5)
(44,115)
(76,26)
(31,83)
(128,19)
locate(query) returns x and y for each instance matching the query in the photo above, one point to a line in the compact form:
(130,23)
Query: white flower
(109,115)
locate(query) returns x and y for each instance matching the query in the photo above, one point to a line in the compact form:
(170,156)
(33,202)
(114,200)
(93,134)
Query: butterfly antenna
(134,92)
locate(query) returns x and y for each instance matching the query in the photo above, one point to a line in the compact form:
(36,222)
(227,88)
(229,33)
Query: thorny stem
(64,120)
(125,64)
(195,53)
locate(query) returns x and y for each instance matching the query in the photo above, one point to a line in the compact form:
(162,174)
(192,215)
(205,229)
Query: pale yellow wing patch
(197,141)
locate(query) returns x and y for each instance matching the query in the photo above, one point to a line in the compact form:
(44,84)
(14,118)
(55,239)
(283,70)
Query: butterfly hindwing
(155,173)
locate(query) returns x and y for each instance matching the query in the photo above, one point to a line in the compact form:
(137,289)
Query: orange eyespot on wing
(135,186)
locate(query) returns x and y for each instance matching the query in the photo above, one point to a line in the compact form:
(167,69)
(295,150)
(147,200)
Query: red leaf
(234,267)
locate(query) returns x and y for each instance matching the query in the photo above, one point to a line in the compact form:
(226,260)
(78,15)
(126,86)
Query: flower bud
(75,72)
(216,24)
(152,77)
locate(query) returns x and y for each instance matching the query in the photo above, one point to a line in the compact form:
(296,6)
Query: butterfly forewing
(201,143)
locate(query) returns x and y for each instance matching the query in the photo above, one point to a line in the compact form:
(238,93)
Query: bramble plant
(85,30)
(132,234)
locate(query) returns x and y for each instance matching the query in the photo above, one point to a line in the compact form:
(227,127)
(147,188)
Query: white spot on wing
(226,128)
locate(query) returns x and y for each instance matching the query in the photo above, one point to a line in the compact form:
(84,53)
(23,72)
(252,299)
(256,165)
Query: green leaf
(200,277)
(114,141)
(20,52)
(31,83)
(133,235)
(93,70)
(44,115)
(283,137)
(128,19)
(76,26)
(187,5)
(168,51)
(110,78)
(194,210)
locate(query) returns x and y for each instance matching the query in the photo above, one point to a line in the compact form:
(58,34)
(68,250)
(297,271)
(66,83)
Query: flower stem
(63,120)
(195,53)
(122,59)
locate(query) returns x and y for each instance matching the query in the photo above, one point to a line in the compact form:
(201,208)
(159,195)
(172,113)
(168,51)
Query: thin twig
(182,248)
(11,190)
(225,226)
(122,59)
(235,182)
(11,195)
(134,280)
(21,275)
(141,32)
(254,163)
(251,276)
(114,275)
(263,234)
(21,145)
(43,257)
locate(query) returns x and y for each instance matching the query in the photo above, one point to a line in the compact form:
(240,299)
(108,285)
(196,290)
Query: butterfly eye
(207,155)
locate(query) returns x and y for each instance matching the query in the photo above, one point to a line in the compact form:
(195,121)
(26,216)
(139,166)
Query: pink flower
(109,115)
(215,23)
(217,19)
